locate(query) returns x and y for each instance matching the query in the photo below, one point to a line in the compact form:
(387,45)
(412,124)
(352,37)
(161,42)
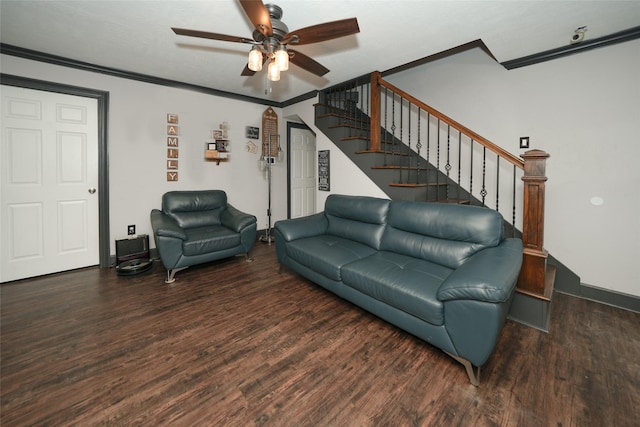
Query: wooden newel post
(534,261)
(374,144)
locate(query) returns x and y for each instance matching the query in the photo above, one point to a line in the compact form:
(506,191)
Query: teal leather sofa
(194,227)
(443,273)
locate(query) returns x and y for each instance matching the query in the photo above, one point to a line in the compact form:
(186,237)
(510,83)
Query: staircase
(414,152)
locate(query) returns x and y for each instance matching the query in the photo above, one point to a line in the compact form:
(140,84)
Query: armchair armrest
(489,276)
(165,226)
(298,228)
(236,220)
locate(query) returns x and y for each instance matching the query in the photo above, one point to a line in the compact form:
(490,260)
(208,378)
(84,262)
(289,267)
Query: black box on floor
(132,255)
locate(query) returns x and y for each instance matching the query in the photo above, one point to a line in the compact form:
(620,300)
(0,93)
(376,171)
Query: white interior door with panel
(303,172)
(48,181)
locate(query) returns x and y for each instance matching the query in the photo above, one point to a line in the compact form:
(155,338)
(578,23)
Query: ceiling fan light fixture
(255,59)
(282,58)
(273,72)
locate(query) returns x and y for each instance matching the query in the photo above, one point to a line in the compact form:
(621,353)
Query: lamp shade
(282,58)
(255,59)
(273,72)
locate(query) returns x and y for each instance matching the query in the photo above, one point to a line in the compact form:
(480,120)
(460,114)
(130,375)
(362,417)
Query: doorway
(301,170)
(54,204)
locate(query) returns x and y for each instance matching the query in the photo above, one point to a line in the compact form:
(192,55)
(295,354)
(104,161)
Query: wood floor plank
(234,343)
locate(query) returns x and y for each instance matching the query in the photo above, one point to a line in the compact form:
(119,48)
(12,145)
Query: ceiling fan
(272,39)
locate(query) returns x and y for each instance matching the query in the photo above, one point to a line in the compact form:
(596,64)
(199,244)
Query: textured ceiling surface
(136,36)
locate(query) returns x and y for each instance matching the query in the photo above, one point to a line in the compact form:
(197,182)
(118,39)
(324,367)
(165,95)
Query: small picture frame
(216,134)
(524,142)
(252,132)
(212,146)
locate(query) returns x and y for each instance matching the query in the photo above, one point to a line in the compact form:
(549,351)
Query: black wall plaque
(323,171)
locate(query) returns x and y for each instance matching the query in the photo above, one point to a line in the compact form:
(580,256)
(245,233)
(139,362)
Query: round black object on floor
(133,267)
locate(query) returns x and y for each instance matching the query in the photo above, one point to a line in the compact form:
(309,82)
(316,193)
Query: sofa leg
(472,371)
(249,259)
(171,274)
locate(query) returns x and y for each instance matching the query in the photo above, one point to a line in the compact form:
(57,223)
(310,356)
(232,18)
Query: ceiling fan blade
(305,62)
(207,35)
(247,72)
(259,16)
(323,32)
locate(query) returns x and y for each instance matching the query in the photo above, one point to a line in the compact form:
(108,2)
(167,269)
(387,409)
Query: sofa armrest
(490,275)
(298,228)
(165,226)
(235,219)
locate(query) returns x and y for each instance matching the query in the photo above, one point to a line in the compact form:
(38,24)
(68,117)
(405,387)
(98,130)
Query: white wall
(138,145)
(583,110)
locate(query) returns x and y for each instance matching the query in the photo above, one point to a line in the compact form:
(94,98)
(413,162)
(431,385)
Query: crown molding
(584,46)
(86,66)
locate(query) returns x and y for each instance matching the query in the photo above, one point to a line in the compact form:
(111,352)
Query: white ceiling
(135,36)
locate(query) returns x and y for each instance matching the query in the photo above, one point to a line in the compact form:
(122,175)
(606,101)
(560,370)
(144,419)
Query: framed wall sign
(252,132)
(324,183)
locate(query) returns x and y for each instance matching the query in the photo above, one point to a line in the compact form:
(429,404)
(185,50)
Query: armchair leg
(472,371)
(248,258)
(172,273)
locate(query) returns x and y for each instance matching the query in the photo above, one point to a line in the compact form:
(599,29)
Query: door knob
(92,190)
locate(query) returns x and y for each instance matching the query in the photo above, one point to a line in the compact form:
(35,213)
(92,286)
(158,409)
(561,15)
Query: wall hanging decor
(324,183)
(172,146)
(217,150)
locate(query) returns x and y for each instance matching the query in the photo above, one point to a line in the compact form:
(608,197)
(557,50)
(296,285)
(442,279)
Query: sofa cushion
(357,218)
(440,233)
(195,208)
(204,240)
(326,254)
(406,283)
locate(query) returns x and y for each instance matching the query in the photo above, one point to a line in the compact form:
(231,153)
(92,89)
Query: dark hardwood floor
(235,343)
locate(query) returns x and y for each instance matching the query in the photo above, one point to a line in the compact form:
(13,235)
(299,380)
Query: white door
(303,172)
(48,183)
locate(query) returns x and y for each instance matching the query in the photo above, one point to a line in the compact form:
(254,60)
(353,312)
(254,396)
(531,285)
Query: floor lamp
(269,161)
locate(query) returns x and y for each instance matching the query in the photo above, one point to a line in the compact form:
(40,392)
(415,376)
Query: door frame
(102,98)
(291,125)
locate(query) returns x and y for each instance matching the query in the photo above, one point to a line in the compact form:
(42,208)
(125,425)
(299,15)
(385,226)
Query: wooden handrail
(377,82)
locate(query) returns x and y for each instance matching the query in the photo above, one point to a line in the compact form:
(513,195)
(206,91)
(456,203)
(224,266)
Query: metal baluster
(498,183)
(483,192)
(471,174)
(438,164)
(418,147)
(409,141)
(367,93)
(393,120)
(459,164)
(401,139)
(448,165)
(384,131)
(428,150)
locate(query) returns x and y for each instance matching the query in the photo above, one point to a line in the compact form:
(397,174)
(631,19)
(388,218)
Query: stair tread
(344,116)
(350,138)
(347,125)
(380,152)
(395,167)
(414,185)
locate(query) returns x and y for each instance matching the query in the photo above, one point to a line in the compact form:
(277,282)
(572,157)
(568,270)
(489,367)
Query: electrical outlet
(131,230)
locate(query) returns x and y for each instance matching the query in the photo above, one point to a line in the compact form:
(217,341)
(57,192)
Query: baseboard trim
(605,296)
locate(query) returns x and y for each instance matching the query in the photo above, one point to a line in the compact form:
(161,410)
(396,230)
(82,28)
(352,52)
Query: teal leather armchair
(194,227)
